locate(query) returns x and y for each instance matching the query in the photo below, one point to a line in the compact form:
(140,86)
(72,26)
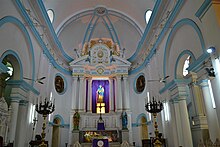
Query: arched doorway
(144,128)
(56,132)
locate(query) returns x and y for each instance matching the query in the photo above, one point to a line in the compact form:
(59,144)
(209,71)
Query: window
(10,71)
(148,15)
(185,66)
(50,13)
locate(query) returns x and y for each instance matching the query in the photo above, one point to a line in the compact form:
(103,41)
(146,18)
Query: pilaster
(126,99)
(74,93)
(118,94)
(82,94)
(179,94)
(213,124)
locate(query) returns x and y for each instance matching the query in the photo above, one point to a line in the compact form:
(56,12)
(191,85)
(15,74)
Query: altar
(100,98)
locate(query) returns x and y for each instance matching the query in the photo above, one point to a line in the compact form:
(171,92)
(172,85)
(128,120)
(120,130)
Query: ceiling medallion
(100,11)
(100,71)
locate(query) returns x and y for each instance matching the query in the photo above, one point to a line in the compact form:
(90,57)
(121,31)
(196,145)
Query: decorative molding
(22,84)
(17,22)
(188,52)
(149,26)
(179,24)
(11,52)
(39,39)
(51,29)
(198,64)
(203,9)
(160,37)
(173,83)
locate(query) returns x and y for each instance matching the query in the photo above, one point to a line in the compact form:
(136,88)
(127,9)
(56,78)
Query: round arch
(20,25)
(14,59)
(177,26)
(180,61)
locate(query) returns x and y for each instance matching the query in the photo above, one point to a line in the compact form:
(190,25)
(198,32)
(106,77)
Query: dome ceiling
(78,21)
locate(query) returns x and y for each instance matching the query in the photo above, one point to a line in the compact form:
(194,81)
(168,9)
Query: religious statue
(100,94)
(124,120)
(76,118)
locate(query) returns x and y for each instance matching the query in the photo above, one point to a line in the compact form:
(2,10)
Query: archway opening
(56,132)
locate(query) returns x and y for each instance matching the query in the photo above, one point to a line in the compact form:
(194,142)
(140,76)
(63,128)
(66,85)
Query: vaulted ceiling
(123,21)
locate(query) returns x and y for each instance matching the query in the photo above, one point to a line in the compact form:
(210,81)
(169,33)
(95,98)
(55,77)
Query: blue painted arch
(138,119)
(185,52)
(57,116)
(19,24)
(13,53)
(178,25)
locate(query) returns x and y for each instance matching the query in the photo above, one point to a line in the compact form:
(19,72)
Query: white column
(111,94)
(126,99)
(118,94)
(70,141)
(82,94)
(178,124)
(74,93)
(22,121)
(213,125)
(89,100)
(187,135)
(179,94)
(13,123)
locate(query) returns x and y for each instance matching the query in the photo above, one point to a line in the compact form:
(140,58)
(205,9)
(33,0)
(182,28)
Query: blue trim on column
(11,52)
(173,83)
(65,83)
(196,66)
(188,52)
(49,24)
(179,24)
(40,41)
(203,9)
(17,22)
(160,37)
(148,27)
(22,84)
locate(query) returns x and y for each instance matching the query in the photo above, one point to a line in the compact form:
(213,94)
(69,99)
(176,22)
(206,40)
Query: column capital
(204,83)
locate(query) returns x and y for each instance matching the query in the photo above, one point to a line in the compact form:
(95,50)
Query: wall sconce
(211,72)
(211,50)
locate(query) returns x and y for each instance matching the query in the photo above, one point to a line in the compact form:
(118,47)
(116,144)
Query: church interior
(118,73)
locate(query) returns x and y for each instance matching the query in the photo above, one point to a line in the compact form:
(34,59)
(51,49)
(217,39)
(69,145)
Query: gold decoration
(100,71)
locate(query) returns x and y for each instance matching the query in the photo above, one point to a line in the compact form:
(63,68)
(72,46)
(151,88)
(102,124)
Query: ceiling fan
(39,80)
(162,80)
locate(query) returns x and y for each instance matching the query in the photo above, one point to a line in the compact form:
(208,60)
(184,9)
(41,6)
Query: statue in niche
(76,118)
(124,118)
(100,94)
